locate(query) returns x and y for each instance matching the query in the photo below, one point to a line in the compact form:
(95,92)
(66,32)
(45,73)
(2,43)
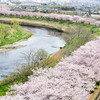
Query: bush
(98,83)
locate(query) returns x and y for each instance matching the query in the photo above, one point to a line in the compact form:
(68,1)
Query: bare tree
(32,59)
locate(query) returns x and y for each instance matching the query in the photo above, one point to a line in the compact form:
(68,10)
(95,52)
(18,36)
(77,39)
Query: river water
(42,39)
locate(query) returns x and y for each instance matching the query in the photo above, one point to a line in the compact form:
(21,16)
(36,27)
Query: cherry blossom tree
(72,79)
(5,11)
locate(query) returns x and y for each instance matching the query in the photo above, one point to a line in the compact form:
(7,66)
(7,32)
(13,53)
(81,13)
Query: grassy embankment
(96,93)
(76,34)
(12,33)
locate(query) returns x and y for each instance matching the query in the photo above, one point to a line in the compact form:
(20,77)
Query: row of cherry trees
(5,11)
(72,79)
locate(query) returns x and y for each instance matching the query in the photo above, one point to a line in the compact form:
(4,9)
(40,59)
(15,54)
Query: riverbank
(60,25)
(10,34)
(9,47)
(54,59)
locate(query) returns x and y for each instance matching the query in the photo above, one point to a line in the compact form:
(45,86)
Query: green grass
(20,77)
(12,33)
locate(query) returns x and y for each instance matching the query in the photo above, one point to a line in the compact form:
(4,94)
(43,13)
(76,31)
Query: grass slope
(12,33)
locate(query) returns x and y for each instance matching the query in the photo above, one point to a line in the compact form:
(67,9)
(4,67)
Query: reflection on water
(40,39)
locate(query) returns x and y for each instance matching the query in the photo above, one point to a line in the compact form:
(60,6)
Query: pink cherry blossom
(5,11)
(72,79)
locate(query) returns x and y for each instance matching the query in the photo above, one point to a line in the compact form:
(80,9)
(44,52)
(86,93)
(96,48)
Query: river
(42,38)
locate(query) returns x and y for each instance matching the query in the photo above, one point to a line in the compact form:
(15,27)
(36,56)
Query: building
(3,1)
